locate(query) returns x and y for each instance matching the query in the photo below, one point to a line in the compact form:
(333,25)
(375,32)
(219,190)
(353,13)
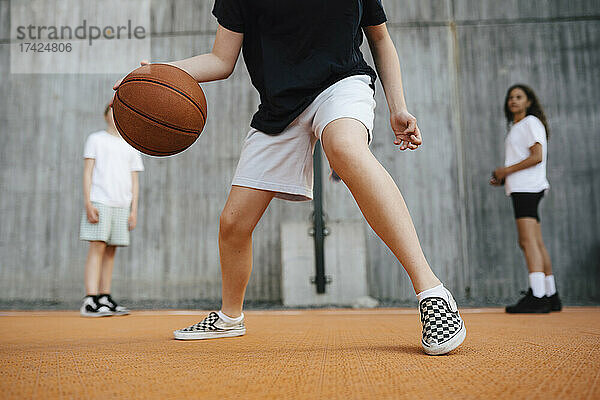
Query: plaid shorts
(112,227)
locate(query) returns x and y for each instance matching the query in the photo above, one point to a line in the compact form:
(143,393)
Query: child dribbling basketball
(110,190)
(304,59)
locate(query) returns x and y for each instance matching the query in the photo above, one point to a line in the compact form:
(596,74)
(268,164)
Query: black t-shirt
(295,49)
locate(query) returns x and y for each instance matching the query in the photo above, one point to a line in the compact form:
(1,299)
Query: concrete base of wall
(345,264)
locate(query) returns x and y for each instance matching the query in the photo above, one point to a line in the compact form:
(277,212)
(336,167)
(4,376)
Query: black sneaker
(115,309)
(530,304)
(90,308)
(555,303)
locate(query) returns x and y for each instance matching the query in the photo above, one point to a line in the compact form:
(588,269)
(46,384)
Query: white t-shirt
(520,138)
(114,162)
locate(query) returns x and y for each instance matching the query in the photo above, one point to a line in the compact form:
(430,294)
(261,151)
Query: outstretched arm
(213,66)
(219,63)
(404,125)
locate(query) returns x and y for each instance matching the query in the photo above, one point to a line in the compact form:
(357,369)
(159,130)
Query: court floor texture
(304,354)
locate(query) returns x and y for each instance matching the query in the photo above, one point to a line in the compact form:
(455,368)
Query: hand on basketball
(118,83)
(408,134)
(92,213)
(132,221)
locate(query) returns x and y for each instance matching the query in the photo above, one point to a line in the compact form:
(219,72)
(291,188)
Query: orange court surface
(299,354)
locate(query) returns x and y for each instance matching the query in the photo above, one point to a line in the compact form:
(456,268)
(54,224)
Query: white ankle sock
(550,285)
(537,284)
(436,291)
(228,319)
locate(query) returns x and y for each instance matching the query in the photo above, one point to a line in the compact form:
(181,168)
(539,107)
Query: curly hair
(534,109)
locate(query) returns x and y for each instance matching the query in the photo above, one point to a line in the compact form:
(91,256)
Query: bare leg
(528,241)
(377,196)
(241,213)
(543,250)
(92,267)
(108,262)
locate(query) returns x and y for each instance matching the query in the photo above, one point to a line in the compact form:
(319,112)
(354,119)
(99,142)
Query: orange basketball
(159,109)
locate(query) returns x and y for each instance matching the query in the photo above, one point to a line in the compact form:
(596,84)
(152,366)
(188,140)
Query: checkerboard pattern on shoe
(211,327)
(443,328)
(207,324)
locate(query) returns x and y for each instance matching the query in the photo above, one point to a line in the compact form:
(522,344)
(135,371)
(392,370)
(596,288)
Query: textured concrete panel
(171,17)
(458,58)
(345,264)
(407,11)
(474,10)
(5,18)
(561,62)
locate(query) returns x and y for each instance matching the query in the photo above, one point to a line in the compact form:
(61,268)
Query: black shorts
(526,204)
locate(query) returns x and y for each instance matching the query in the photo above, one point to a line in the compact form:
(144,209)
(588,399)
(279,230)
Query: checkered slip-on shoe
(443,328)
(115,309)
(90,308)
(211,327)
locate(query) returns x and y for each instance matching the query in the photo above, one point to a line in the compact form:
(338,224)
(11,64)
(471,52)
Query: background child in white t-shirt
(110,190)
(524,176)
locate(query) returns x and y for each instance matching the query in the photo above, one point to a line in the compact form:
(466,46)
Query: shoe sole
(116,313)
(448,346)
(206,335)
(95,315)
(529,312)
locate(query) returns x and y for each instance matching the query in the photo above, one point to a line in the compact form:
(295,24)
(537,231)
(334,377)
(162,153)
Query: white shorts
(283,163)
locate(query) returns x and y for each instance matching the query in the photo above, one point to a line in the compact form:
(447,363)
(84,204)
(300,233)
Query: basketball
(159,109)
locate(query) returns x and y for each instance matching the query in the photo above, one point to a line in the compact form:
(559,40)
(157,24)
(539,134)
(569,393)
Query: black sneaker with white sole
(90,308)
(555,303)
(211,327)
(115,309)
(443,328)
(529,304)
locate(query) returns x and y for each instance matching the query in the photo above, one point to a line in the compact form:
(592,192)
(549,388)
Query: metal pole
(318,223)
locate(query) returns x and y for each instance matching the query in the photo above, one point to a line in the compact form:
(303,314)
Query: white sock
(550,285)
(437,291)
(537,284)
(228,319)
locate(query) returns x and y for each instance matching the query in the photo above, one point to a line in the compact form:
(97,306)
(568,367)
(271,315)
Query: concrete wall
(458,59)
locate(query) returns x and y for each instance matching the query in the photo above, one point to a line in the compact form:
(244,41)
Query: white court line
(333,312)
(495,310)
(194,312)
